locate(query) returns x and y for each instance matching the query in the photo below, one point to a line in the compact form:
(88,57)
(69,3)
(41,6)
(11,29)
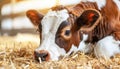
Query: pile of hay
(19,55)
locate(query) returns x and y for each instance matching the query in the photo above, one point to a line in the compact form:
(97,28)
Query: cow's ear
(88,20)
(34,17)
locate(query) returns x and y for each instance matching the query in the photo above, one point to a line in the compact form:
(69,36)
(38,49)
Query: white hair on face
(100,3)
(107,47)
(50,24)
(85,47)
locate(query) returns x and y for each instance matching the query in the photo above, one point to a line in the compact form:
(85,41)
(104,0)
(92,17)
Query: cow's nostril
(44,55)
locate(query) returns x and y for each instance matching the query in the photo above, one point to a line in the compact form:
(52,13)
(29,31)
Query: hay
(19,55)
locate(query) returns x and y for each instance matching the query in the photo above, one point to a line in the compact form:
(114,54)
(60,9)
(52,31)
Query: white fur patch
(107,47)
(50,24)
(100,3)
(83,47)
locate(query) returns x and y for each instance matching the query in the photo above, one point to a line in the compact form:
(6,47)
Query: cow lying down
(66,30)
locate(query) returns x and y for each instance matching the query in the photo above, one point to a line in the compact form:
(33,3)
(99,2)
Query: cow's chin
(56,53)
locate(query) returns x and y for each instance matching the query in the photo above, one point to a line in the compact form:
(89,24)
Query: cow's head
(58,35)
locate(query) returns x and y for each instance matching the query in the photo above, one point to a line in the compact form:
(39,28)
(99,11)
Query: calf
(64,30)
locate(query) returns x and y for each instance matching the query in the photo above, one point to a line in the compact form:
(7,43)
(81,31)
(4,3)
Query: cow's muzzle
(42,55)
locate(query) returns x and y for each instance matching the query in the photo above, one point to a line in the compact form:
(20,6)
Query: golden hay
(19,55)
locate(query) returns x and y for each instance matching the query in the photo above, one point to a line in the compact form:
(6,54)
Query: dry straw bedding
(19,55)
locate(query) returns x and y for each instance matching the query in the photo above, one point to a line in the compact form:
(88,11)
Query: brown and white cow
(64,30)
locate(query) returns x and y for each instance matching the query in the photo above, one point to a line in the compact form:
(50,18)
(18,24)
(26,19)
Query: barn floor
(16,52)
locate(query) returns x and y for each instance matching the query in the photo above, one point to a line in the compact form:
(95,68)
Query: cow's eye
(67,32)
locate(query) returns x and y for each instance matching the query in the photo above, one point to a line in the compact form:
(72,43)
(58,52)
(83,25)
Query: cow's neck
(107,22)
(102,30)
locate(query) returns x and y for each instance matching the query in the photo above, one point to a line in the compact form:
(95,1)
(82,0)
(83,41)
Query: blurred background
(12,14)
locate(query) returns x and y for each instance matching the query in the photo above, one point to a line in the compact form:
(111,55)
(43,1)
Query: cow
(65,30)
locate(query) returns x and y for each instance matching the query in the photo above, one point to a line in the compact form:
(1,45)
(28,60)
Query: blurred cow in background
(64,30)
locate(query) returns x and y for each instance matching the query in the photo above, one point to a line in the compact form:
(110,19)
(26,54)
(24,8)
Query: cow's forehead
(52,20)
